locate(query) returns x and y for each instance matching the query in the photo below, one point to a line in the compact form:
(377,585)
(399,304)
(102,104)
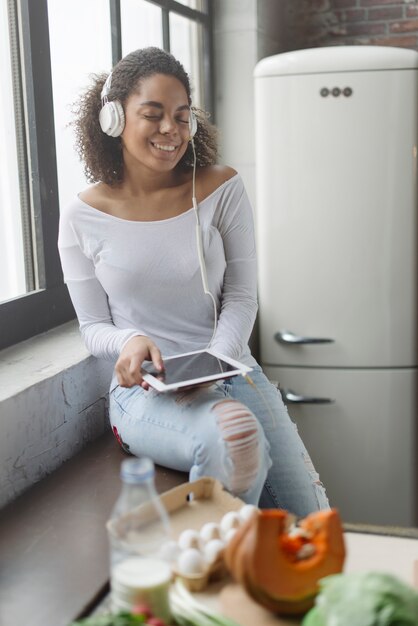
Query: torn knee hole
(231,408)
(235,419)
(239,430)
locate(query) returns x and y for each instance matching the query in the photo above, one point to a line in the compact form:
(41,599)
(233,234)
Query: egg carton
(190,506)
(193,505)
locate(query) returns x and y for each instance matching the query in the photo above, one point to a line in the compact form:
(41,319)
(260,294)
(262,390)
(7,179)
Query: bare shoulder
(97,196)
(92,194)
(213,176)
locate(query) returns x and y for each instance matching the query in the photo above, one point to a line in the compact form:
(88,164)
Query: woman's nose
(167,126)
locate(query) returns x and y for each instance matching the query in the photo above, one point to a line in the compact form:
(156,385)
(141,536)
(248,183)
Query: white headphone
(112,116)
(192,124)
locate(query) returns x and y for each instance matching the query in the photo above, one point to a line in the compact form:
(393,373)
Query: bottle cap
(137,470)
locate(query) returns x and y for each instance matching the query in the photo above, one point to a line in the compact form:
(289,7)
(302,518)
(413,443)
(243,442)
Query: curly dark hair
(102,154)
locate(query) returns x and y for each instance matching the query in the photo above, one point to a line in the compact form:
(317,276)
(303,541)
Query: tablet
(192,368)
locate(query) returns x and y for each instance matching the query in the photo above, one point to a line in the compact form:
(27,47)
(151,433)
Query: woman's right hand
(134,353)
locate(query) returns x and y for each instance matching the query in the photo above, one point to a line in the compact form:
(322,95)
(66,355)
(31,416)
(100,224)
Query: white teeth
(165,148)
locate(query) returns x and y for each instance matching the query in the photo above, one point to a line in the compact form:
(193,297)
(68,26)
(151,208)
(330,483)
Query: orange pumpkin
(281,570)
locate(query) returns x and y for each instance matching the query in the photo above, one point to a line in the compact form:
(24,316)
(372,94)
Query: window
(185,39)
(141,22)
(12,277)
(47,53)
(183,28)
(194,4)
(71,72)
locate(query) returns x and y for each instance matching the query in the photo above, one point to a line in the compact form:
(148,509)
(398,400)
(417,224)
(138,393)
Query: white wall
(244,32)
(235,49)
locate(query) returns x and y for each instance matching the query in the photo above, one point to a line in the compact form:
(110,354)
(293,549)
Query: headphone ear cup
(192,124)
(112,118)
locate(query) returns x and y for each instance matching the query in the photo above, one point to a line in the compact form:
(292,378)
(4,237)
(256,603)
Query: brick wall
(313,23)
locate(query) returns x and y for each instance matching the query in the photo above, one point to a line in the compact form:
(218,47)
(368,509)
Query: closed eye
(157,118)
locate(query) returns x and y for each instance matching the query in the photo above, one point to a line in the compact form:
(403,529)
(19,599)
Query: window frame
(204,18)
(49,305)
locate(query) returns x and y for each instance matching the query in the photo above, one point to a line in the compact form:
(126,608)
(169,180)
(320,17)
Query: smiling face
(156,130)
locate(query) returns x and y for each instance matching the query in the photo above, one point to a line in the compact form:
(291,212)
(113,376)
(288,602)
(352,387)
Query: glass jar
(138,528)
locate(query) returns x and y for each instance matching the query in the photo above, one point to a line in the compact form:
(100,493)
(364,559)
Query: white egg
(228,536)
(191,562)
(212,549)
(230,520)
(247,511)
(189,538)
(169,551)
(210,531)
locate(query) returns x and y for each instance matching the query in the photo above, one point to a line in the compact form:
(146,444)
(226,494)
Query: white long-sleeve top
(129,278)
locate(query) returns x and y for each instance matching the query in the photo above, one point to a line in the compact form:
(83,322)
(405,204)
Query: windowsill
(39,358)
(53,401)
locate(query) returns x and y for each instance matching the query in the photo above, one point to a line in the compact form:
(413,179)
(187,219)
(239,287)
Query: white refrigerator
(336,219)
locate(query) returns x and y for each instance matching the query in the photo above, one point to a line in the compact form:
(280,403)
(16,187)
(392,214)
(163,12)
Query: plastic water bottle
(138,527)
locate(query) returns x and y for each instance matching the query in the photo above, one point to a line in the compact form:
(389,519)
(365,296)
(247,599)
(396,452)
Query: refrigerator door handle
(287,337)
(290,397)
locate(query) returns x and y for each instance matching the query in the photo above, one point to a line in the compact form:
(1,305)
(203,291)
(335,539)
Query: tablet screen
(190,367)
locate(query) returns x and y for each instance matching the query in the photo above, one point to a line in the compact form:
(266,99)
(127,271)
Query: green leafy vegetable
(364,599)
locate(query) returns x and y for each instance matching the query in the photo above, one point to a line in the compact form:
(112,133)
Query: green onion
(187,611)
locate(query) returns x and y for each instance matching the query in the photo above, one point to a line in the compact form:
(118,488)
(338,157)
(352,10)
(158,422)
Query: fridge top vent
(337,59)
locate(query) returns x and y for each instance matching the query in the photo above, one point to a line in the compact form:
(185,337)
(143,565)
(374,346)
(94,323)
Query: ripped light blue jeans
(235,432)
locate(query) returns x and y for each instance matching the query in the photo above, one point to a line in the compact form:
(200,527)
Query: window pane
(72,62)
(186,46)
(199,5)
(141,25)
(12,275)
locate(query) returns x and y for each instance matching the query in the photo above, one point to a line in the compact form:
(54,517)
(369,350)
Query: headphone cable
(199,242)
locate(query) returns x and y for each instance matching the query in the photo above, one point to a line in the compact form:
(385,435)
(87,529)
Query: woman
(131,263)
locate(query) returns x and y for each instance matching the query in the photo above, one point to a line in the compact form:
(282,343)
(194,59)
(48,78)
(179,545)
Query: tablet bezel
(239,369)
